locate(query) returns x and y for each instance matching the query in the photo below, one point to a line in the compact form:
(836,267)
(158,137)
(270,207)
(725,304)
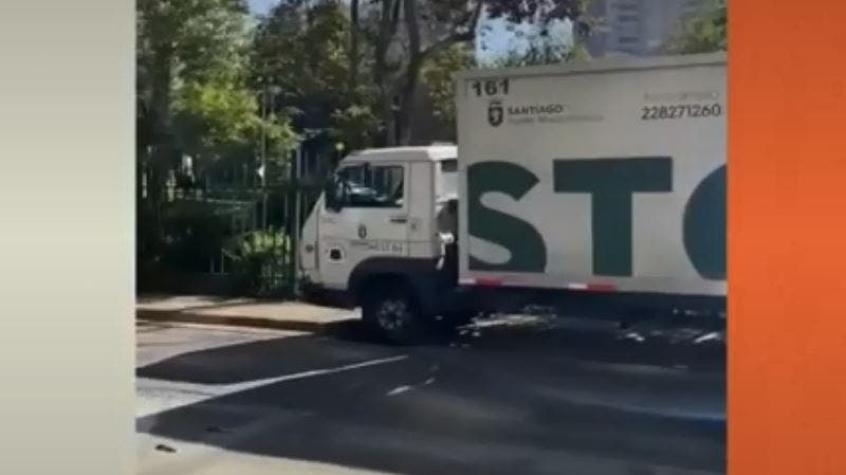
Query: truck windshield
(373,186)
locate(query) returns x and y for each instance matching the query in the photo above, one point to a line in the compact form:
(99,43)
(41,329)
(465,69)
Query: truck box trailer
(594,188)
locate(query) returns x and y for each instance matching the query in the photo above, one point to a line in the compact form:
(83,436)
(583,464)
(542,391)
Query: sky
(261,6)
(498,40)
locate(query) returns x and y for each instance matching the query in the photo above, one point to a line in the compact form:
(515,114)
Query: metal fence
(238,235)
(275,219)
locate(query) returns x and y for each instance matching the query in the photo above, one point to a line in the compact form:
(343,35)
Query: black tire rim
(394,315)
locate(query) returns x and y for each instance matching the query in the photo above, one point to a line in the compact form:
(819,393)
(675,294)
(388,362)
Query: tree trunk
(389,115)
(407,97)
(408,80)
(390,15)
(162,143)
(353,81)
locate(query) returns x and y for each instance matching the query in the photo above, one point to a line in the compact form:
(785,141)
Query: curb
(235,321)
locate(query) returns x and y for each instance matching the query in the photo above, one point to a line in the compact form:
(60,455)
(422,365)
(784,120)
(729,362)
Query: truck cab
(383,234)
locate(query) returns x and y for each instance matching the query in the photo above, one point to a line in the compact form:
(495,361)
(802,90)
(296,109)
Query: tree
(355,51)
(403,35)
(192,91)
(702,33)
(439,75)
(543,14)
(303,51)
(538,11)
(219,118)
(183,41)
(540,49)
(177,40)
(406,33)
(310,54)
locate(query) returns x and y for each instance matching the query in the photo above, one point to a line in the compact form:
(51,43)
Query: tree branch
(411,24)
(467,32)
(387,30)
(354,35)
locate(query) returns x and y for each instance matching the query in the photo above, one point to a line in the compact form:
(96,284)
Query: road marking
(398,390)
(402,389)
(155,395)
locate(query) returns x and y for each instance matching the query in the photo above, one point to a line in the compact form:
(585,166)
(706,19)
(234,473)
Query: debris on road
(165,448)
(712,337)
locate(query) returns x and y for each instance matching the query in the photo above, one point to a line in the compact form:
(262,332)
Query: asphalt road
(501,399)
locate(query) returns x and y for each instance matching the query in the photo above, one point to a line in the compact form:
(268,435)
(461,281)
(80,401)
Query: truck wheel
(393,313)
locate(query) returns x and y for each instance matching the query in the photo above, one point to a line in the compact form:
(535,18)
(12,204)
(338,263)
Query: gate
(233,234)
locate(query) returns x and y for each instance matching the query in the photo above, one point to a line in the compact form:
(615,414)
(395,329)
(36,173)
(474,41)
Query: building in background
(636,27)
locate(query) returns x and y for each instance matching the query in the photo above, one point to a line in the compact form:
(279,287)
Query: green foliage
(356,126)
(187,40)
(213,115)
(544,45)
(193,55)
(527,10)
(214,118)
(194,98)
(536,55)
(304,51)
(193,232)
(258,260)
(703,33)
(438,74)
(359,81)
(202,38)
(542,12)
(548,30)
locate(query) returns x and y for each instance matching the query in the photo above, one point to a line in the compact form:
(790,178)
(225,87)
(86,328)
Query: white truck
(594,189)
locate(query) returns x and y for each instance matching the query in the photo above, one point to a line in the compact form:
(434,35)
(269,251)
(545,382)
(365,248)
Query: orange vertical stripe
(787,237)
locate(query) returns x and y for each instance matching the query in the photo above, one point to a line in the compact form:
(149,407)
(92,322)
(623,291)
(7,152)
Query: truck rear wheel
(392,312)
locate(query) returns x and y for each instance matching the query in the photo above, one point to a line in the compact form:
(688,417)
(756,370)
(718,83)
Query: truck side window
(373,186)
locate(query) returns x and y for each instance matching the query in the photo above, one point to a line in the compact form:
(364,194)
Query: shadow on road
(266,359)
(491,400)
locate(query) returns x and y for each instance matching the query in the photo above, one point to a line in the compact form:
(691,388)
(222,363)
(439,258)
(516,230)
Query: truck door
(366,218)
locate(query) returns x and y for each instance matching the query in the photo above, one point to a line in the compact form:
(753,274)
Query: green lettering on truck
(611,183)
(521,239)
(705,226)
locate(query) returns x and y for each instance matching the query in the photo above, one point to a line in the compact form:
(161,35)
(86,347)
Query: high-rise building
(636,27)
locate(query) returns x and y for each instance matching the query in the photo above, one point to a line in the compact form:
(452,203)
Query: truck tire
(392,312)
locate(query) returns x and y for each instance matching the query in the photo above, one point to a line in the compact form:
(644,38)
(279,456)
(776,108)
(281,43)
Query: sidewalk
(282,315)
